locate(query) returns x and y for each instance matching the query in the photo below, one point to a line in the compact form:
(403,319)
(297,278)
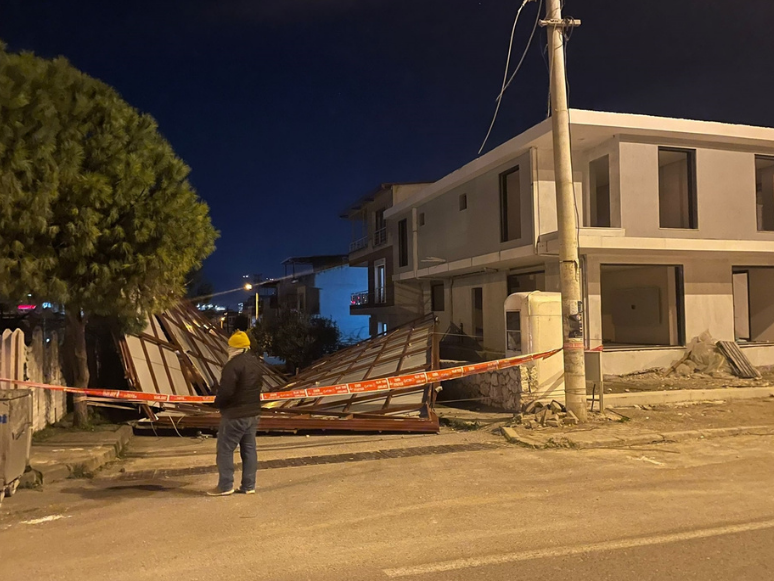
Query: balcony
(359,244)
(380,237)
(375,298)
(359,299)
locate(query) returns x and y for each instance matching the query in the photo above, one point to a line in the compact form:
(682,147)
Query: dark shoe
(218,492)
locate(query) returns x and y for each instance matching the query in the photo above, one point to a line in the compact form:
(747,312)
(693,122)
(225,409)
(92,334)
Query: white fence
(39,362)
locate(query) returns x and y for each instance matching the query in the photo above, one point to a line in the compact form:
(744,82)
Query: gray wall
(725,189)
(451,234)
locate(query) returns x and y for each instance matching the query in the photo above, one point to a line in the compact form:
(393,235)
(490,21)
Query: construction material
(537,415)
(739,362)
(180,353)
(394,403)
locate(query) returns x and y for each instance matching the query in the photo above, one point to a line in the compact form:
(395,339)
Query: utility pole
(569,264)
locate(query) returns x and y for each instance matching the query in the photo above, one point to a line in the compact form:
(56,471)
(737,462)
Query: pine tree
(96,212)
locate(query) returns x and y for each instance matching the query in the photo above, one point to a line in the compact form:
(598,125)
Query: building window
(437,298)
(478,312)
(764,192)
(380,281)
(526,282)
(642,305)
(403,243)
(510,205)
(677,188)
(753,304)
(599,193)
(463,202)
(421,218)
(380,228)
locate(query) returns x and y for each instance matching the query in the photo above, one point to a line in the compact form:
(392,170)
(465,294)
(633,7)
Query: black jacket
(239,392)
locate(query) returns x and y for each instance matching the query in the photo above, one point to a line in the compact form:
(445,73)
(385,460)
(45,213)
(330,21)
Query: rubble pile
(536,416)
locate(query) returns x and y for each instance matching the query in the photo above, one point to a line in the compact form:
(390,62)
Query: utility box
(533,324)
(15,437)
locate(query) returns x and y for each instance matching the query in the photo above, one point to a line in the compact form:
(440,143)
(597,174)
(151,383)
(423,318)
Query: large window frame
(691,220)
(510,229)
(403,243)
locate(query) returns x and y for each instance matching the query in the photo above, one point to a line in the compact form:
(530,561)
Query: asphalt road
(699,510)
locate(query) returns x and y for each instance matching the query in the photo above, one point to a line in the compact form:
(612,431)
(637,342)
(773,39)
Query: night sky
(288,111)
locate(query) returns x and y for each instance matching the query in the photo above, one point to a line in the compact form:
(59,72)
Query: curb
(613,400)
(572,441)
(307,461)
(101,455)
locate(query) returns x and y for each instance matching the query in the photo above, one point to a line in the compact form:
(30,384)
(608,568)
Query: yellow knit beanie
(239,340)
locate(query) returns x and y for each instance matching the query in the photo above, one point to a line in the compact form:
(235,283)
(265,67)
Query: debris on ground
(537,415)
(706,364)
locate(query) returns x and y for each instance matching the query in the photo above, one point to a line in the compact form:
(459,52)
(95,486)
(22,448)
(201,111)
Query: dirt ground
(660,381)
(687,416)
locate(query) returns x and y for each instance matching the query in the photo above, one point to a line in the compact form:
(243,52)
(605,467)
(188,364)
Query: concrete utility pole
(569,264)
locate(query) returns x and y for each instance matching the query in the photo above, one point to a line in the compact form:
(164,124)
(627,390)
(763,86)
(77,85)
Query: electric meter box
(533,324)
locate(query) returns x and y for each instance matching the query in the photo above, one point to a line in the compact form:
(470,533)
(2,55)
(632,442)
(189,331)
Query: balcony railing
(366,298)
(359,244)
(359,299)
(380,236)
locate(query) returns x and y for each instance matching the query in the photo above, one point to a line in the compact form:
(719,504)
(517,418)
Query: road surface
(699,510)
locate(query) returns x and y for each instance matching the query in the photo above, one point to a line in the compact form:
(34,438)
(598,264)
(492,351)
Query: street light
(245,287)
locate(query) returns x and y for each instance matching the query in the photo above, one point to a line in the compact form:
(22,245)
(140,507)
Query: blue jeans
(233,433)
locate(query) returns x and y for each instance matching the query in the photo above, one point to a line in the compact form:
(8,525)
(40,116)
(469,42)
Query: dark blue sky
(289,110)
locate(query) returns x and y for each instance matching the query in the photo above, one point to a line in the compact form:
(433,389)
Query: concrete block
(641,439)
(515,438)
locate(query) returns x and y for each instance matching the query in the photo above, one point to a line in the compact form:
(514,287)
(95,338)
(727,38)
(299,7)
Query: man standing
(238,397)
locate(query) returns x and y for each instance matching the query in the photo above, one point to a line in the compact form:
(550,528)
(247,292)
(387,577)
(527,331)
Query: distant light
(26,307)
(248,286)
(48,305)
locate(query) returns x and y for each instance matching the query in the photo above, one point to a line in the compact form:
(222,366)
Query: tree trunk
(79,359)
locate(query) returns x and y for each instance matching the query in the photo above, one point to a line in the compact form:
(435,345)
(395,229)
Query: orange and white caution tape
(368,386)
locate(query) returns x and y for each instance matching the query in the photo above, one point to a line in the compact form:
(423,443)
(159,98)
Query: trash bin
(15,437)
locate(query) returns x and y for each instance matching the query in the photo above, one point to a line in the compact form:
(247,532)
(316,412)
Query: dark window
(403,243)
(599,189)
(437,298)
(764,193)
(677,188)
(642,305)
(510,205)
(463,202)
(526,282)
(380,228)
(513,330)
(753,304)
(478,312)
(421,218)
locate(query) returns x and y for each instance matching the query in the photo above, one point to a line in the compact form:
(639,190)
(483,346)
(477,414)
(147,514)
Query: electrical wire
(529,43)
(505,75)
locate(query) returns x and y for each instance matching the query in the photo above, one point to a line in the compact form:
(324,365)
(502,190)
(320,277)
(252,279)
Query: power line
(529,43)
(507,67)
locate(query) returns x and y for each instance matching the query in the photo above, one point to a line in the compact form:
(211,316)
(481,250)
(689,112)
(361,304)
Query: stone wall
(503,389)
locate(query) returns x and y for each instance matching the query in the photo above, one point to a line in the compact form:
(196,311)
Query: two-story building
(387,303)
(317,286)
(676,236)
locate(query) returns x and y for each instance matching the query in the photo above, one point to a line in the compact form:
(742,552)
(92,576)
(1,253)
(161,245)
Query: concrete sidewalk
(642,425)
(58,454)
(150,457)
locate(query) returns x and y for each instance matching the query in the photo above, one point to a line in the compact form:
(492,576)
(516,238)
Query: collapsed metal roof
(181,353)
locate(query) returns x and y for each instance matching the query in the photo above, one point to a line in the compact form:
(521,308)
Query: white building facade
(676,237)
